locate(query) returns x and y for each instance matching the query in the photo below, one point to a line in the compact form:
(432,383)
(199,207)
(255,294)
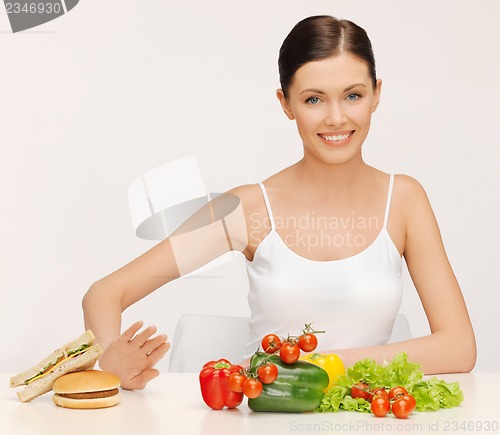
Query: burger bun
(87,389)
(103,402)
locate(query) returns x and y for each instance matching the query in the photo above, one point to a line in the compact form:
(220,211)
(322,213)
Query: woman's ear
(284,104)
(376,94)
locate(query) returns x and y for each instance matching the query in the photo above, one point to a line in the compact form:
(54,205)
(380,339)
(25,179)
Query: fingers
(140,339)
(157,354)
(149,350)
(139,382)
(131,331)
(155,342)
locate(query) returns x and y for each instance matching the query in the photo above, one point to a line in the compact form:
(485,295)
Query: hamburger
(87,389)
(79,354)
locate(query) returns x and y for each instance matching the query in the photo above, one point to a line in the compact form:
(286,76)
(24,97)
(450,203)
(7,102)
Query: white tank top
(355,299)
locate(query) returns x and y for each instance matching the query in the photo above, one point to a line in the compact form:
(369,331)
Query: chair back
(200,338)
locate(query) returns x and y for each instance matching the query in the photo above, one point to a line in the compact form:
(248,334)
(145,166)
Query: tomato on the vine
(379,392)
(360,391)
(252,388)
(267,373)
(397,391)
(411,400)
(271,343)
(289,352)
(235,382)
(308,342)
(380,406)
(402,407)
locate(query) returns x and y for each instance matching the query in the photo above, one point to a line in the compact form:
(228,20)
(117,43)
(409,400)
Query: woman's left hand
(133,356)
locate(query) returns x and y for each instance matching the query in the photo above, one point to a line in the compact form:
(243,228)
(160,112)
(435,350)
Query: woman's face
(332,101)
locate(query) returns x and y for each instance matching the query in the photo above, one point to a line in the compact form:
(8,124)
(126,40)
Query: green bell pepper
(298,387)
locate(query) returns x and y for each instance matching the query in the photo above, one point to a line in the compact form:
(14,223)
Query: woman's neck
(321,176)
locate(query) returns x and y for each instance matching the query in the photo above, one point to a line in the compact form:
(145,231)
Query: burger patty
(91,394)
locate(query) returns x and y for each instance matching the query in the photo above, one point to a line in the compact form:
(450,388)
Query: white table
(172,404)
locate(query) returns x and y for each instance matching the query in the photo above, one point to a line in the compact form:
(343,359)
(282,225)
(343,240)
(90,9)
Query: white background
(115,88)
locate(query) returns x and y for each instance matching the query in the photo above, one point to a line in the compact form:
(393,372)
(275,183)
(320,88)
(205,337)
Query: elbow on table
(470,356)
(465,360)
(457,353)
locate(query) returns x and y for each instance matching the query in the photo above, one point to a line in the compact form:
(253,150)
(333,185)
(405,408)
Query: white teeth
(336,138)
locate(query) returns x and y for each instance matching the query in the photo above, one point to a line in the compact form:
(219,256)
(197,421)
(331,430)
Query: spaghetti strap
(389,196)
(268,206)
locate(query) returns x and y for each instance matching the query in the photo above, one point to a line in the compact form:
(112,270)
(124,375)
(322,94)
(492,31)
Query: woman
(323,238)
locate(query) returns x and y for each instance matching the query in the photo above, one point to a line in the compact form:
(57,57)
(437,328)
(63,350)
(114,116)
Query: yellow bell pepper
(331,363)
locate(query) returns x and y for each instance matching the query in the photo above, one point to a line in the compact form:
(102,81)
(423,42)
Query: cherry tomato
(402,407)
(396,391)
(379,392)
(252,388)
(289,352)
(267,373)
(411,401)
(235,382)
(380,406)
(271,343)
(308,342)
(360,391)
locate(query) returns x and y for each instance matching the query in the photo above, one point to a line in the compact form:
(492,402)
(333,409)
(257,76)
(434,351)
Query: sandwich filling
(49,368)
(91,394)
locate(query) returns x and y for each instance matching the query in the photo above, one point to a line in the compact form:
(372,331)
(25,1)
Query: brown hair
(319,37)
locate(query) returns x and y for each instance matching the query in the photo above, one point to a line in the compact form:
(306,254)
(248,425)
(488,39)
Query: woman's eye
(312,100)
(353,97)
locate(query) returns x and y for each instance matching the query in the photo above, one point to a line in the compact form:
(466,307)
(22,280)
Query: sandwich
(87,389)
(77,355)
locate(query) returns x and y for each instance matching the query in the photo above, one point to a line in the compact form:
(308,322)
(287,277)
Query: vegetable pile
(367,375)
(275,380)
(280,380)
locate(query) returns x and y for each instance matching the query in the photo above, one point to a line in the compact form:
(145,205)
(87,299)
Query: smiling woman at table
(344,277)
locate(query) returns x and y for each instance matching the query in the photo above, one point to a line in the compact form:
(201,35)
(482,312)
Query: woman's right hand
(133,357)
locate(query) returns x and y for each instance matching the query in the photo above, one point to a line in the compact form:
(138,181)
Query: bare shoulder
(416,212)
(407,185)
(250,196)
(409,193)
(254,209)
(247,192)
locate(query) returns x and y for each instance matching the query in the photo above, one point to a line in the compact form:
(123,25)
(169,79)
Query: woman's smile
(336,139)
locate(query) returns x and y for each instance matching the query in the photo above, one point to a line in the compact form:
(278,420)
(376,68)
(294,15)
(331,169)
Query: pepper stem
(221,365)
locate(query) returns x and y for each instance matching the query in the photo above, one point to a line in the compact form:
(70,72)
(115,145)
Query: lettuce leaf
(435,393)
(366,370)
(400,371)
(431,394)
(338,398)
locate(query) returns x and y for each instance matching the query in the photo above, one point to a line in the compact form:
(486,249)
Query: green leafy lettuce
(430,394)
(435,393)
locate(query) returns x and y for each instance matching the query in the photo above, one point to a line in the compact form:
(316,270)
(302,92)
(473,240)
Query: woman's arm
(451,346)
(215,229)
(131,358)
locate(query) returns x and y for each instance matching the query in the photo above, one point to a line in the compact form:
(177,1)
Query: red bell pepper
(214,386)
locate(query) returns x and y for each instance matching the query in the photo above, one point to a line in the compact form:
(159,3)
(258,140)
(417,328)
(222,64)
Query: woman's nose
(336,116)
